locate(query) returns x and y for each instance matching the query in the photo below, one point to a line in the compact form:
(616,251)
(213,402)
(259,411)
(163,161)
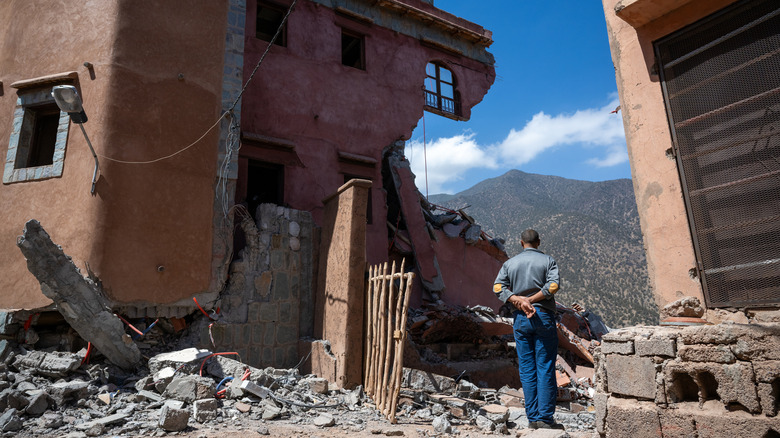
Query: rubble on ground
(50,392)
(445,339)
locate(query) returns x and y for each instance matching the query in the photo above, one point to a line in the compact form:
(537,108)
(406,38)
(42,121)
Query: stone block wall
(707,381)
(268,302)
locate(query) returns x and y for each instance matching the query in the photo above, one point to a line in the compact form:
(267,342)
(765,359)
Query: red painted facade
(156,82)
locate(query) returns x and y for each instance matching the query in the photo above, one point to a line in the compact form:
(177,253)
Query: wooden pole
(369,326)
(385,396)
(399,358)
(377,384)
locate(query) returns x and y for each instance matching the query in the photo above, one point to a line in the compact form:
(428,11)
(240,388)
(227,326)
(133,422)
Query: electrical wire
(425,157)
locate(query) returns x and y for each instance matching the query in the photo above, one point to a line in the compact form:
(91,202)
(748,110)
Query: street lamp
(69,101)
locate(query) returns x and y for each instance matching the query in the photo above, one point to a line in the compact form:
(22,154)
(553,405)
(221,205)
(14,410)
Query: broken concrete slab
(78,299)
(175,359)
(9,421)
(409,198)
(172,419)
(54,364)
(428,382)
(38,405)
(63,391)
(188,388)
(317,385)
(252,388)
(495,413)
(105,421)
(205,410)
(149,395)
(324,420)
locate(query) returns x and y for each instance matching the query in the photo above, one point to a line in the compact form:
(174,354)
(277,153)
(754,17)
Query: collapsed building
(698,83)
(247,163)
(220,155)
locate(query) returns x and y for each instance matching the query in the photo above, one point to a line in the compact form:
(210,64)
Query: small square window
(352,50)
(269,18)
(38,136)
(36,147)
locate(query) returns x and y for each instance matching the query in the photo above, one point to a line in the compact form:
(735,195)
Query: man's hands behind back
(522,304)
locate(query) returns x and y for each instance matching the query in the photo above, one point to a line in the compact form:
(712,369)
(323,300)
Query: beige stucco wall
(139,108)
(670,255)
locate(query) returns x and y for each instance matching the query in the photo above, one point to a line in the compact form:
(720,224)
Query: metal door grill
(721,84)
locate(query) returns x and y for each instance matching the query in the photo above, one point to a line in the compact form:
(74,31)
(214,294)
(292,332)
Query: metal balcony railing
(441,103)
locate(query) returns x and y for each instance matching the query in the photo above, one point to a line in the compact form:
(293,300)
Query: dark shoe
(533,424)
(553,425)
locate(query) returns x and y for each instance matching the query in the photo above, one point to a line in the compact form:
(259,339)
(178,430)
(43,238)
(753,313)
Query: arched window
(440,94)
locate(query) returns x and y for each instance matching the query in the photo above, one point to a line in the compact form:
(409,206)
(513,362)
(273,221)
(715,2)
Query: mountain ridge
(590,228)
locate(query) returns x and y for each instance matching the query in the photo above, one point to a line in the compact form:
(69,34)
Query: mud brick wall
(698,381)
(268,303)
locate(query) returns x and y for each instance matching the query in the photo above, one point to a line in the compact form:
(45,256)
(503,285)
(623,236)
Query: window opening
(721,87)
(352,50)
(440,93)
(269,18)
(265,185)
(38,136)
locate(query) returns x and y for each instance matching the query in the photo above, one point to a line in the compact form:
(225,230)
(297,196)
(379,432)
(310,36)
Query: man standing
(528,281)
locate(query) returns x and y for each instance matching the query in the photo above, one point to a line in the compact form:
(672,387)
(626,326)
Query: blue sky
(548,111)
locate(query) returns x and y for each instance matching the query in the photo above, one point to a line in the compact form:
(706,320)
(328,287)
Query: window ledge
(453,116)
(357,159)
(45,80)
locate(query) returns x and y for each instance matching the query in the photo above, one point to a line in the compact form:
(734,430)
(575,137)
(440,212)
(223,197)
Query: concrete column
(341,285)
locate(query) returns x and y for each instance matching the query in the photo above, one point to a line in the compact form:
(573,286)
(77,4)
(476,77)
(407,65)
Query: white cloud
(591,127)
(615,156)
(448,159)
(597,129)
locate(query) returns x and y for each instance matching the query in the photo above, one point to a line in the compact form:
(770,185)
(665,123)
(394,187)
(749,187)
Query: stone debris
(52,364)
(205,410)
(42,393)
(687,307)
(173,419)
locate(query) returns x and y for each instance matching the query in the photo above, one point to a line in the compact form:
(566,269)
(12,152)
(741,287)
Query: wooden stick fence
(387,302)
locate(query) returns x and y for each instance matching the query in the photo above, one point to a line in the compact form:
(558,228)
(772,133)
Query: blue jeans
(536,340)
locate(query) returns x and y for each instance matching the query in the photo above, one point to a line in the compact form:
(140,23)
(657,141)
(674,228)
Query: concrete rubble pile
(50,392)
(451,402)
(474,343)
(57,394)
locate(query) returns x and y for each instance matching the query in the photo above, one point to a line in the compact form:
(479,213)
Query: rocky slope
(591,228)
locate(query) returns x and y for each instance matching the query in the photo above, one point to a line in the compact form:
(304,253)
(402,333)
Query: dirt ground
(371,428)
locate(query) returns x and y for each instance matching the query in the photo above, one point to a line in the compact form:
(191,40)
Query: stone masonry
(708,381)
(268,302)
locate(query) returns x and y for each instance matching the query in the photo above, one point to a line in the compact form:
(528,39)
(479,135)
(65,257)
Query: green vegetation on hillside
(590,228)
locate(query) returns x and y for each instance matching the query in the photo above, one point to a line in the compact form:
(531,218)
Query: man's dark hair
(530,236)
